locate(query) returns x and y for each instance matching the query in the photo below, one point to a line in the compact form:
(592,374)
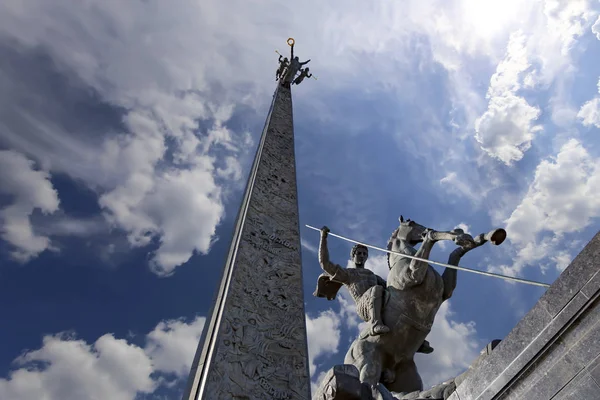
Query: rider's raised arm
(305,62)
(335,271)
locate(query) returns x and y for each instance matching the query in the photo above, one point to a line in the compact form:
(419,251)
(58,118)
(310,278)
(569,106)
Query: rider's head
(296,58)
(307,69)
(359,255)
(285,59)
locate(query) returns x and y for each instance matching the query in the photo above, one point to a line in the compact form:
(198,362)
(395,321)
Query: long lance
(493,275)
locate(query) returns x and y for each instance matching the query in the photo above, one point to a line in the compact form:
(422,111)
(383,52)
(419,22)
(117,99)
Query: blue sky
(127,130)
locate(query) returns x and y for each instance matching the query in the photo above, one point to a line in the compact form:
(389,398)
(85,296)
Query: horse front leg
(457,236)
(449,276)
(418,269)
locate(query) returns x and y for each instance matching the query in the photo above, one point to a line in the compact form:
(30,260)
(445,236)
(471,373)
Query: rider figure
(365,287)
(293,68)
(283,63)
(303,74)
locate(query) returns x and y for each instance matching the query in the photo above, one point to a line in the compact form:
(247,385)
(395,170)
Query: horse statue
(413,295)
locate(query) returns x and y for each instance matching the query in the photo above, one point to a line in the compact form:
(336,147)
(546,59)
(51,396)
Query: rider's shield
(326,287)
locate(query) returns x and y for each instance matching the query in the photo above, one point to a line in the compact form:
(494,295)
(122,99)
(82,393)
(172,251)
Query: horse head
(408,231)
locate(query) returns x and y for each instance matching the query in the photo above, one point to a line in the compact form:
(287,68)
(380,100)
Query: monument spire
(254,345)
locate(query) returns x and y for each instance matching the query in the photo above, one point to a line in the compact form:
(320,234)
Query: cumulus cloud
(163,175)
(180,206)
(506,129)
(589,113)
(66,368)
(562,199)
(563,196)
(28,189)
(141,59)
(171,345)
(323,336)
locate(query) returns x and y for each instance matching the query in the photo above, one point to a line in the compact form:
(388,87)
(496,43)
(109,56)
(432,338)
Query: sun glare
(490,17)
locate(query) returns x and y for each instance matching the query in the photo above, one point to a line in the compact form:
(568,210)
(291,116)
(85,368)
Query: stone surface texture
(554,351)
(342,382)
(255,345)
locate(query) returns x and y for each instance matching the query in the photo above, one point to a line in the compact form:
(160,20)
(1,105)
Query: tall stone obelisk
(255,346)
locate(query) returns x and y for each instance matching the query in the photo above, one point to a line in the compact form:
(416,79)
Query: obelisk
(254,345)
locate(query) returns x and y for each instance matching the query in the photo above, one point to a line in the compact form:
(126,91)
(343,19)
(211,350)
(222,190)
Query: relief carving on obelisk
(261,351)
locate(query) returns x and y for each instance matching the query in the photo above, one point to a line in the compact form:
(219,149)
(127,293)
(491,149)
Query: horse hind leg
(367,358)
(406,379)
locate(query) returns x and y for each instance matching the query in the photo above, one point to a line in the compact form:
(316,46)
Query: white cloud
(568,20)
(62,225)
(464,227)
(323,336)
(109,369)
(596,28)
(232,169)
(455,344)
(550,30)
(378,264)
(65,368)
(171,345)
(506,129)
(563,198)
(164,178)
(562,260)
(143,58)
(164,206)
(29,189)
(589,113)
(455,185)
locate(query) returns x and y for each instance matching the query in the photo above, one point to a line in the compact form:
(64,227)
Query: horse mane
(390,244)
